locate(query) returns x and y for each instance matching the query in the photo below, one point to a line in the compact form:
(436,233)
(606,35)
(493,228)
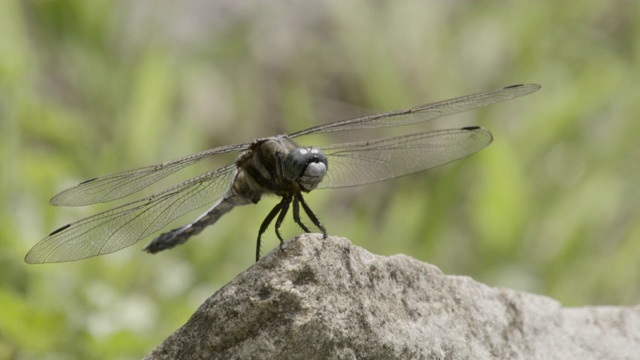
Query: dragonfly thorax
(306,166)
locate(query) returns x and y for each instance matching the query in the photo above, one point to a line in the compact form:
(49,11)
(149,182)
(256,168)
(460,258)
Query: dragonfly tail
(180,235)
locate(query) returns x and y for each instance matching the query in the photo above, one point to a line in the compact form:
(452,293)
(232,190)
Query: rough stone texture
(328,299)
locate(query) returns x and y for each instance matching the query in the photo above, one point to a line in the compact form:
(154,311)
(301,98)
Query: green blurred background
(90,88)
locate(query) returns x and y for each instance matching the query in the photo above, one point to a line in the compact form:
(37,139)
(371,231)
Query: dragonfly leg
(285,207)
(296,214)
(265,224)
(312,216)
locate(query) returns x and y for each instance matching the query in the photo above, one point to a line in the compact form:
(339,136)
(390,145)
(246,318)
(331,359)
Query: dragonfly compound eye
(309,165)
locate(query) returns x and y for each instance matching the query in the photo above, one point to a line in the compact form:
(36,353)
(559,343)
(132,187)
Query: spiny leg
(285,207)
(312,216)
(265,224)
(296,214)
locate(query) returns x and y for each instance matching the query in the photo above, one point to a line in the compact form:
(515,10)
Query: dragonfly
(272,165)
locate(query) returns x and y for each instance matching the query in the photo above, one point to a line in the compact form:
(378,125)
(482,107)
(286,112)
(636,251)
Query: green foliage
(89,88)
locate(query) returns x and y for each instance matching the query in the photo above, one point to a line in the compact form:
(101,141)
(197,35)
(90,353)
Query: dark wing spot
(60,229)
(87,181)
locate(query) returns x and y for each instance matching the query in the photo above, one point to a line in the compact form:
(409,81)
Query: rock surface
(328,299)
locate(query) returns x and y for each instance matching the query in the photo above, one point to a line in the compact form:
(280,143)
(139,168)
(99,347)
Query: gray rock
(328,299)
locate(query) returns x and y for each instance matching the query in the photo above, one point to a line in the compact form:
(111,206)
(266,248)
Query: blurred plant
(88,88)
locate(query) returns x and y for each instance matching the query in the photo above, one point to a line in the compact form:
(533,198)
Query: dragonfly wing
(116,186)
(124,225)
(425,112)
(359,163)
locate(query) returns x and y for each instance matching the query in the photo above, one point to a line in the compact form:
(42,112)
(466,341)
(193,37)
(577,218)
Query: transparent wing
(124,225)
(116,186)
(360,163)
(424,112)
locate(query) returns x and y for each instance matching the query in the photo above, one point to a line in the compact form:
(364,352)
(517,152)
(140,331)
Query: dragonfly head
(306,166)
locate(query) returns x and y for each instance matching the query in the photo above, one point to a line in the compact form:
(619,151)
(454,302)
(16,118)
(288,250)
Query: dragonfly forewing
(118,185)
(424,112)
